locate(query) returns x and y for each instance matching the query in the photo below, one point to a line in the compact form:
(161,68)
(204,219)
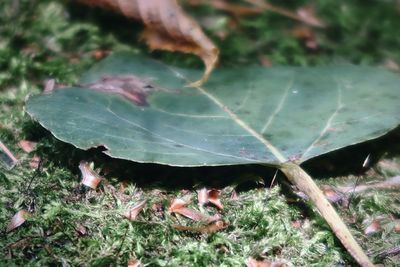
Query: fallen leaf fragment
(234,9)
(89,177)
(234,195)
(100,54)
(202,196)
(331,194)
(373,228)
(27,146)
(307,35)
(307,14)
(207,229)
(49,86)
(134,263)
(205,196)
(167,28)
(178,206)
(252,262)
(35,162)
(133,212)
(214,198)
(7,156)
(17,220)
(397,227)
(80,229)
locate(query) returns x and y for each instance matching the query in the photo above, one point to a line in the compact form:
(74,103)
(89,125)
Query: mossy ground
(72,225)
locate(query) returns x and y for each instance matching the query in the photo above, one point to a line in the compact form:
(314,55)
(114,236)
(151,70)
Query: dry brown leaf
(134,263)
(27,146)
(167,28)
(100,54)
(331,194)
(80,229)
(307,14)
(49,86)
(397,227)
(213,197)
(89,177)
(17,220)
(133,212)
(252,262)
(234,195)
(373,228)
(205,196)
(178,206)
(35,162)
(210,228)
(202,196)
(307,35)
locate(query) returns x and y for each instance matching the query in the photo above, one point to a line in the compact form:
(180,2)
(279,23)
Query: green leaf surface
(241,116)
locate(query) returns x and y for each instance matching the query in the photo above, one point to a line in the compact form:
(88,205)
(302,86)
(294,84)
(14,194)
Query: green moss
(72,225)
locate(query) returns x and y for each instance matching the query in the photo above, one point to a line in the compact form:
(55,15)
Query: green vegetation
(72,225)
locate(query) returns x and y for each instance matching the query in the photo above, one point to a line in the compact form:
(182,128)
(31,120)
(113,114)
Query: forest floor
(71,225)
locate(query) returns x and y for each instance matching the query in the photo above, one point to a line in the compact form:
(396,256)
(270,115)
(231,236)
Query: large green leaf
(241,116)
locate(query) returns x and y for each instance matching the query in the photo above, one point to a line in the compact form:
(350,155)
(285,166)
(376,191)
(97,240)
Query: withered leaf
(373,228)
(134,263)
(252,262)
(213,197)
(202,196)
(167,28)
(133,212)
(205,196)
(178,206)
(27,146)
(17,220)
(307,14)
(207,229)
(89,177)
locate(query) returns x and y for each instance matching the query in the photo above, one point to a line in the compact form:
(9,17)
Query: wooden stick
(305,183)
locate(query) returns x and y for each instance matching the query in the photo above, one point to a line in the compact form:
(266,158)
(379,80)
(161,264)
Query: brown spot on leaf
(132,87)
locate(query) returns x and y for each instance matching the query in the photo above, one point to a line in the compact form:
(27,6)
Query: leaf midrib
(268,145)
